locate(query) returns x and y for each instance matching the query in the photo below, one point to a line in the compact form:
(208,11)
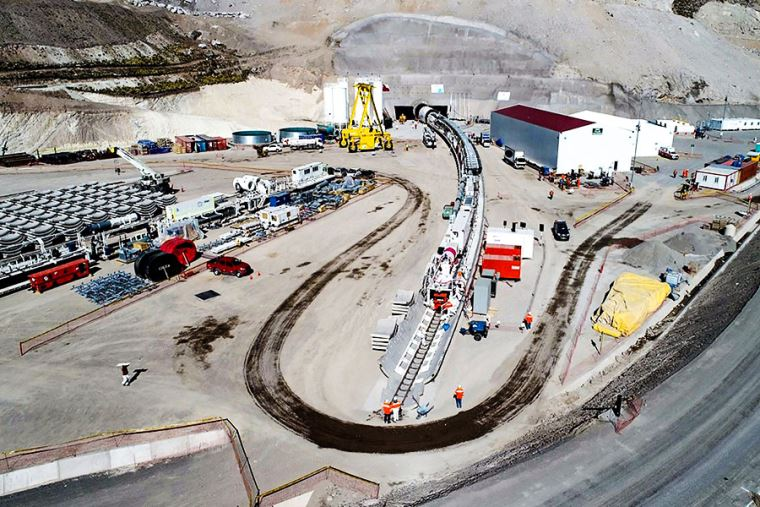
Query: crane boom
(145,171)
(149,178)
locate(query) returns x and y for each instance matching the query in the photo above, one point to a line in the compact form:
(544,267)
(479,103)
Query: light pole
(635,150)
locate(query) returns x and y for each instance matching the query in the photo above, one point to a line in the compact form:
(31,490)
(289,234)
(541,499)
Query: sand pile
(694,241)
(654,256)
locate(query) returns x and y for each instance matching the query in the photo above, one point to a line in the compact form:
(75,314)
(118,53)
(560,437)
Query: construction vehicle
(428,138)
(149,179)
(514,157)
(485,139)
(368,133)
(481,300)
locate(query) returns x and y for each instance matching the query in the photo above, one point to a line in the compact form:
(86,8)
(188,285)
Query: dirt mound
(654,256)
(696,241)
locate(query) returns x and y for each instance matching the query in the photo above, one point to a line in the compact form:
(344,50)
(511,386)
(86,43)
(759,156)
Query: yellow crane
(368,134)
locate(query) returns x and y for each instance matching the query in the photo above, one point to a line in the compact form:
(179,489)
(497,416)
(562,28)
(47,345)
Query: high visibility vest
(459,393)
(386,408)
(529,319)
(395,405)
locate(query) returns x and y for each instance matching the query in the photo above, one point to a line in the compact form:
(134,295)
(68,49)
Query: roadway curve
(271,392)
(696,441)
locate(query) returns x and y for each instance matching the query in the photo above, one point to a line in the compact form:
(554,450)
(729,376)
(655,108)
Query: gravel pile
(654,256)
(696,241)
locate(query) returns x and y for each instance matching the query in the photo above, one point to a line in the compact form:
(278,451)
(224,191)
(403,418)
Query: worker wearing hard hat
(528,321)
(387,412)
(458,395)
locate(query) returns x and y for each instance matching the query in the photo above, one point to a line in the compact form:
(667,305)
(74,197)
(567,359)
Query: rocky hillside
(88,45)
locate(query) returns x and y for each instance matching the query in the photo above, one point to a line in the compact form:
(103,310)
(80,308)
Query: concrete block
(26,478)
(85,464)
(169,448)
(129,456)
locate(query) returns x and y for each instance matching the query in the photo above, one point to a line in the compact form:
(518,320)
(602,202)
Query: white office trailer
(563,143)
(718,177)
(336,102)
(652,136)
(733,124)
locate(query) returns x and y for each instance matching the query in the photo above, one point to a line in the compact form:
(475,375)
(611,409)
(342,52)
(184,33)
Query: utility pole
(635,150)
(725,104)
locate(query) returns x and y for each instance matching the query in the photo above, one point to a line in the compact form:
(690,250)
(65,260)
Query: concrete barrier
(27,469)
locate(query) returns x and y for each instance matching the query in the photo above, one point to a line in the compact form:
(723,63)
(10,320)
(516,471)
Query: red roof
(546,119)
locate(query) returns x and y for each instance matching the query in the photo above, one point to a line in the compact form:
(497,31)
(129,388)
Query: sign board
(436,88)
(192,208)
(503,96)
(596,131)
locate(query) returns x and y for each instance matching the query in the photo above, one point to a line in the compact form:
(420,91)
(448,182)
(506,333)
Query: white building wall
(652,136)
(607,151)
(336,102)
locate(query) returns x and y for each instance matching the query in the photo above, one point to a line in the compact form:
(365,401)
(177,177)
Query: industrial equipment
(149,179)
(428,138)
(59,275)
(673,279)
(368,134)
(169,260)
(481,300)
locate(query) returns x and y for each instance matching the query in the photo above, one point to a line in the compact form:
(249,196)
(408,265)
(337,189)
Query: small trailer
(273,219)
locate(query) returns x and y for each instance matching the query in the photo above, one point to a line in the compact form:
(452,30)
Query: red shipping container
(59,275)
(504,260)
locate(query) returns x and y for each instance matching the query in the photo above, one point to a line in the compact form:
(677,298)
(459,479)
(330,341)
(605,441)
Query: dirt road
(266,384)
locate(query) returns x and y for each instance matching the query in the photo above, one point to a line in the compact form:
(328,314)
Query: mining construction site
(356,254)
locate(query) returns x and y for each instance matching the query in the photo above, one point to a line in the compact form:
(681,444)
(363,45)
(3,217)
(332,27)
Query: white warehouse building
(652,136)
(563,143)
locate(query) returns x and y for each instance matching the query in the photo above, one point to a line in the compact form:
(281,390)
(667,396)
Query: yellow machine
(368,134)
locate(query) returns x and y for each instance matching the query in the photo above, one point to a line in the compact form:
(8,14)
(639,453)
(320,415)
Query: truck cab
(515,158)
(485,139)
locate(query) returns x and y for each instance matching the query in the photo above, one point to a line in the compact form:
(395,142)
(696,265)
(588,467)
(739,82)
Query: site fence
(309,482)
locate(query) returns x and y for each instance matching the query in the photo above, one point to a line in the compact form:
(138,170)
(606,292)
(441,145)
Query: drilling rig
(368,134)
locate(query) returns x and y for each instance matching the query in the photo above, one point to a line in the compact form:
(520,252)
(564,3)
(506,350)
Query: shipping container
(504,260)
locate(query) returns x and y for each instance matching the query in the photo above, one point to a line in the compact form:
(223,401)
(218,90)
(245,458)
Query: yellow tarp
(631,300)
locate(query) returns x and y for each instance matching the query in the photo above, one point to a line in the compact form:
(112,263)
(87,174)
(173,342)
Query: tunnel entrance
(408,111)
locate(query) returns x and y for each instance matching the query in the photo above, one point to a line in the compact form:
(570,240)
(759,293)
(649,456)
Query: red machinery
(171,259)
(59,275)
(183,249)
(504,260)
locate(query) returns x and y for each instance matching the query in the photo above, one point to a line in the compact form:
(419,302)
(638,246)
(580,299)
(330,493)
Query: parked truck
(514,157)
(481,300)
(485,139)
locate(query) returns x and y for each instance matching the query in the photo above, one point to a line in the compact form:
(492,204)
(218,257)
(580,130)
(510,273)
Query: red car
(229,266)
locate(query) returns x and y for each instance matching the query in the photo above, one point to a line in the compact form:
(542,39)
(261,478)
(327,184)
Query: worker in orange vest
(528,321)
(458,395)
(387,412)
